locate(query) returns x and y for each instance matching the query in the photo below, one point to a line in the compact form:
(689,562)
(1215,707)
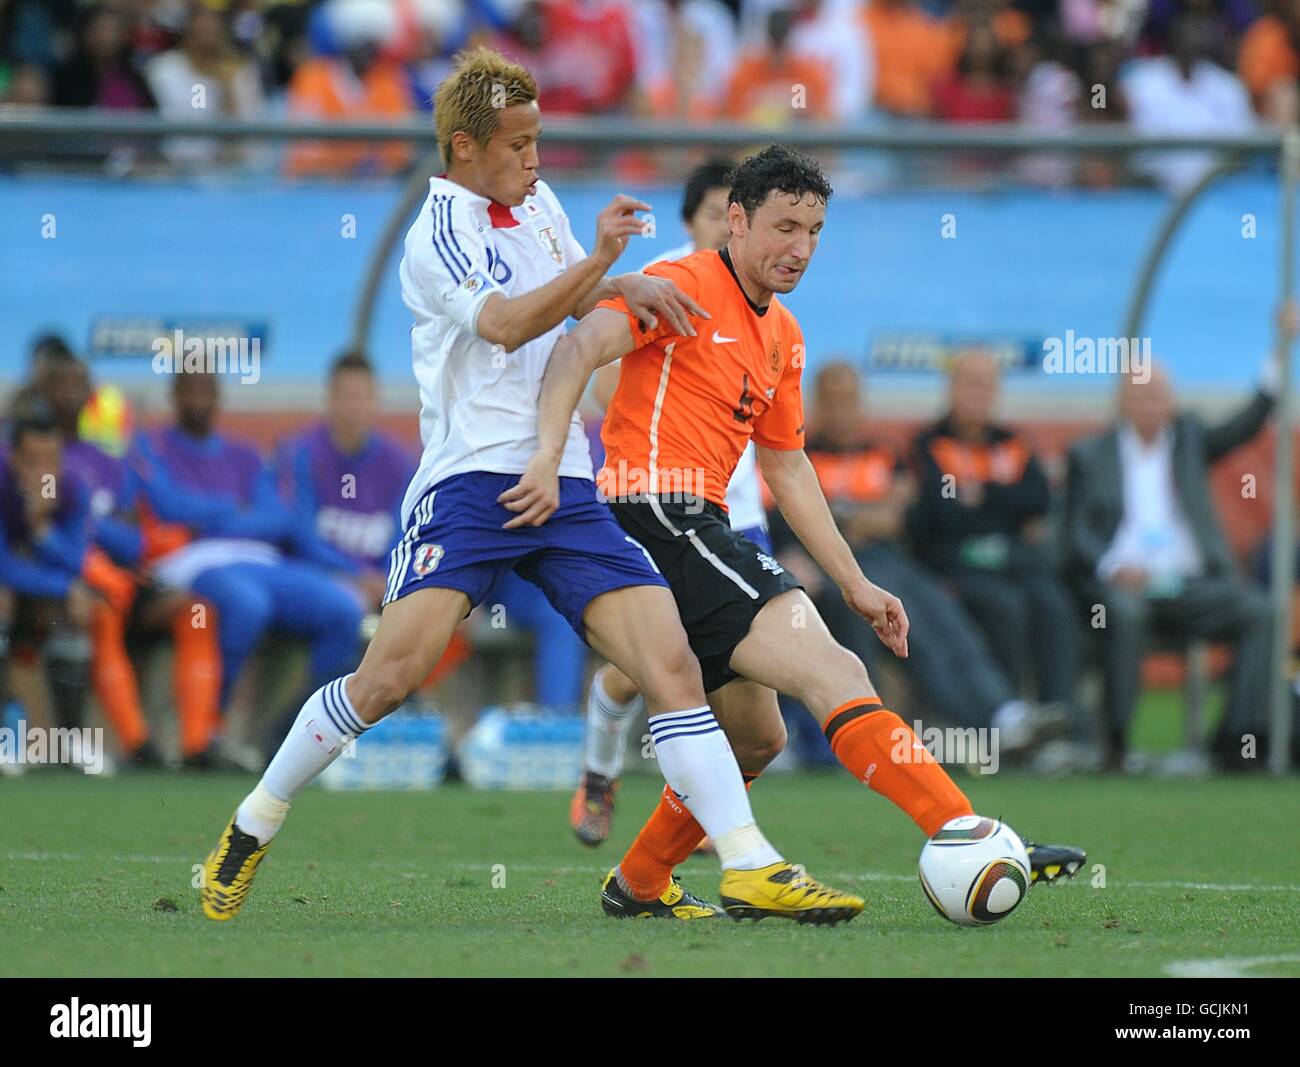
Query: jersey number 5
(745,411)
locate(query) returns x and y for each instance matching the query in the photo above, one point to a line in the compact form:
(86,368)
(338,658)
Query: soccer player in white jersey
(614,704)
(491,272)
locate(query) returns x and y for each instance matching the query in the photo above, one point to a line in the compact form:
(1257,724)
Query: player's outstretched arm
(793,481)
(602,337)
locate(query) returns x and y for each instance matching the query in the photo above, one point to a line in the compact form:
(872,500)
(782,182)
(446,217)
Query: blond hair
(472,97)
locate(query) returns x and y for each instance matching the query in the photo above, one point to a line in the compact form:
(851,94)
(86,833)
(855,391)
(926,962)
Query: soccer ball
(975,871)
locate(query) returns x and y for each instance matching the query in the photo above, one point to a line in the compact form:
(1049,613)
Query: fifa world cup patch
(427,558)
(474,282)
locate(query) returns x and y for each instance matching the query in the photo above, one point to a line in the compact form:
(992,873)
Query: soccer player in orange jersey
(685,408)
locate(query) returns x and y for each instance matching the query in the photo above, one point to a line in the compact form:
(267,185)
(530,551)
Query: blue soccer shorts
(454,540)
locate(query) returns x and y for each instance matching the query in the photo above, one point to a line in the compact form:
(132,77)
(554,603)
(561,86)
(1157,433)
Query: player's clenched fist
(884,611)
(615,224)
(536,496)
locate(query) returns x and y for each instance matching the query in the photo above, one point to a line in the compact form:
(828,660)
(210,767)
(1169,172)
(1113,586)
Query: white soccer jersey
(744,496)
(478,405)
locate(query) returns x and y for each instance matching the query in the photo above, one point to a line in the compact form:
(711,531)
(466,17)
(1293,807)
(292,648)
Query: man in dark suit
(1147,552)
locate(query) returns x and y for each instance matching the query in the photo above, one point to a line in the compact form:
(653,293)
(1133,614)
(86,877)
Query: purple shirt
(353,501)
(214,465)
(104,476)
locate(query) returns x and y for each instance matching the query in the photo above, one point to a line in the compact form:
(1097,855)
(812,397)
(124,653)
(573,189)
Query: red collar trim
(501,216)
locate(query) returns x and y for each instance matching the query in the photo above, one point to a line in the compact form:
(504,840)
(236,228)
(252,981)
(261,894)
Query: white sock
(261,814)
(608,724)
(324,726)
(699,766)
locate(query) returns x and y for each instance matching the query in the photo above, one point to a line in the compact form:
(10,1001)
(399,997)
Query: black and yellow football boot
(785,891)
(228,872)
(675,903)
(1047,863)
(591,811)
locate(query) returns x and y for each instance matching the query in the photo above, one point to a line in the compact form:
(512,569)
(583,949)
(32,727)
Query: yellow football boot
(784,890)
(228,872)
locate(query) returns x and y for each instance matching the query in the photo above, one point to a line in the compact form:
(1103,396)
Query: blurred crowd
(116,538)
(1162,66)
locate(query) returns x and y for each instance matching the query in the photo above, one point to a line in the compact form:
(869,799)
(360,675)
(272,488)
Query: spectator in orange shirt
(771,87)
(360,84)
(686,86)
(913,52)
(1269,63)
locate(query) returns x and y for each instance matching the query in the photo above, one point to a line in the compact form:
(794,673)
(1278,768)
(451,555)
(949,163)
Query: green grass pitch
(95,879)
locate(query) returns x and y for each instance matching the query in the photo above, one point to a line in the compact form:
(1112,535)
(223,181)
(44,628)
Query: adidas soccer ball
(975,871)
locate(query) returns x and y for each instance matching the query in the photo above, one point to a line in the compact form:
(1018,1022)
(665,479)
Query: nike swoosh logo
(718,339)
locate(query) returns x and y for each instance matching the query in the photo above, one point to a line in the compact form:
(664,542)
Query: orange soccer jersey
(686,407)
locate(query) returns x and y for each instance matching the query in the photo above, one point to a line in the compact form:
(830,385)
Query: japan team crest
(427,558)
(551,242)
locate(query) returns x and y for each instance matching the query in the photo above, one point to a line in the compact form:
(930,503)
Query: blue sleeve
(307,544)
(296,485)
(41,577)
(265,519)
(210,516)
(169,501)
(122,540)
(64,544)
(31,579)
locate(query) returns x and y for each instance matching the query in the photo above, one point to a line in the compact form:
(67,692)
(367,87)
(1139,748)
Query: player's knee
(377,690)
(756,751)
(673,677)
(839,676)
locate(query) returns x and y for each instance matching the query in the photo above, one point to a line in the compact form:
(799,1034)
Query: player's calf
(751,719)
(876,746)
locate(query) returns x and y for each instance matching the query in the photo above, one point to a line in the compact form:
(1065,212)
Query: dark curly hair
(778,168)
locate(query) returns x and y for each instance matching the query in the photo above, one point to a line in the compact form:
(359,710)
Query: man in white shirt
(491,273)
(1145,545)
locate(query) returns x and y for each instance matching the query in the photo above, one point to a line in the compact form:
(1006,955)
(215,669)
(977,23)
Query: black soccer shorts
(720,579)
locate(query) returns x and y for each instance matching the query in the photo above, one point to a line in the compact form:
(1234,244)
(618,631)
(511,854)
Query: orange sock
(667,839)
(196,681)
(883,753)
(113,677)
